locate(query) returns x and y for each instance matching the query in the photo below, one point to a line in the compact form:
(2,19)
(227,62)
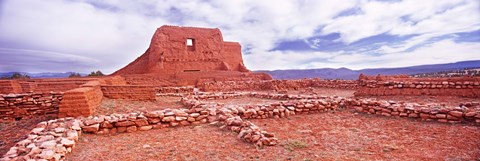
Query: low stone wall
(248,131)
(466,112)
(276,85)
(19,106)
(129,92)
(403,85)
(188,89)
(49,140)
(81,101)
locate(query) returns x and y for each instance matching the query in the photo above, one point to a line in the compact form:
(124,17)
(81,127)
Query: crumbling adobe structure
(186,55)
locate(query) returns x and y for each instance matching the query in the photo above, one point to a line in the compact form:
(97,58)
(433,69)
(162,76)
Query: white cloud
(445,51)
(115,32)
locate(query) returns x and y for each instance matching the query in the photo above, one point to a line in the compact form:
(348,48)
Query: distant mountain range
(345,73)
(324,73)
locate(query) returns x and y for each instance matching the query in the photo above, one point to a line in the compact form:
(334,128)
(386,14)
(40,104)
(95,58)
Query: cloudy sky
(86,35)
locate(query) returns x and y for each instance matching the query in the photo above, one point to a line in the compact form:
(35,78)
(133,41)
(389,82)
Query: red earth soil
(109,106)
(10,133)
(342,135)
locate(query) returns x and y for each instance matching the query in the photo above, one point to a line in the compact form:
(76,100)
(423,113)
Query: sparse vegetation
(474,72)
(17,75)
(74,75)
(295,144)
(95,74)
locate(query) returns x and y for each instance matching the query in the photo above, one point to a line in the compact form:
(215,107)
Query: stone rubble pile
(49,140)
(248,131)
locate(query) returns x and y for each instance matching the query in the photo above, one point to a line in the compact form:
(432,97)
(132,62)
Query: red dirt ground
(342,135)
(110,106)
(324,136)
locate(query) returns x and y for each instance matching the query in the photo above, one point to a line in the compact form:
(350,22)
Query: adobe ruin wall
(81,101)
(129,92)
(41,85)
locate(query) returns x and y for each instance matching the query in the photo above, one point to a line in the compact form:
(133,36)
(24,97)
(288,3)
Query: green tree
(17,75)
(97,73)
(74,75)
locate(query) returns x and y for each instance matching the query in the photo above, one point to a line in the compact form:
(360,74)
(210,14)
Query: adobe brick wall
(404,85)
(81,101)
(168,52)
(129,92)
(41,85)
(10,86)
(113,80)
(19,106)
(275,85)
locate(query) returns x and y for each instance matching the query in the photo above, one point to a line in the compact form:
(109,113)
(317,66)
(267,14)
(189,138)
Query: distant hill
(325,73)
(345,73)
(41,75)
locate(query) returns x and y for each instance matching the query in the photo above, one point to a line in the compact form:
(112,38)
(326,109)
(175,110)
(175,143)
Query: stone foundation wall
(188,89)
(464,112)
(20,106)
(402,85)
(276,85)
(129,92)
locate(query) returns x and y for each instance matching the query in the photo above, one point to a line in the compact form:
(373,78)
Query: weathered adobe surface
(129,92)
(20,106)
(55,138)
(404,85)
(169,57)
(81,101)
(41,85)
(168,52)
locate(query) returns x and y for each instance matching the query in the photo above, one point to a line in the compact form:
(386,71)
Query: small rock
(59,130)
(47,154)
(145,128)
(67,142)
(48,144)
(131,129)
(456,113)
(91,129)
